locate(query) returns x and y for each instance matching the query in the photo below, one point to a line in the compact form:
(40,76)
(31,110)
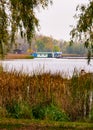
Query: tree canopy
(83,30)
(18,15)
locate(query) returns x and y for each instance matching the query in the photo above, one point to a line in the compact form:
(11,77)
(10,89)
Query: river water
(66,67)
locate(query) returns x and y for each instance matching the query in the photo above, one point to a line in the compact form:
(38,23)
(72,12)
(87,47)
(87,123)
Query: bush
(55,114)
(19,110)
(49,112)
(38,112)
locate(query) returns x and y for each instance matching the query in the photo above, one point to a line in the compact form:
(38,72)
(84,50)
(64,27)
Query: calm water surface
(39,65)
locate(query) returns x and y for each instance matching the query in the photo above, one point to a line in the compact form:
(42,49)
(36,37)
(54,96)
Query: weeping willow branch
(83,31)
(19,16)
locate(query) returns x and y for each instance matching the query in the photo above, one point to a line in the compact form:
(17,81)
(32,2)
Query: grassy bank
(26,124)
(18,56)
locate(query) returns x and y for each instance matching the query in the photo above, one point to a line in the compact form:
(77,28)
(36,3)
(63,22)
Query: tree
(18,15)
(44,43)
(84,29)
(3,28)
(56,49)
(40,46)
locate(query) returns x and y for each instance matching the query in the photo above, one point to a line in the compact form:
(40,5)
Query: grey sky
(56,20)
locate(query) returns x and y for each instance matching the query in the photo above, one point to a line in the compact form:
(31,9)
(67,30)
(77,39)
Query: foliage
(83,31)
(44,43)
(75,49)
(46,95)
(19,110)
(38,112)
(56,49)
(81,95)
(55,114)
(40,46)
(4,37)
(49,112)
(20,17)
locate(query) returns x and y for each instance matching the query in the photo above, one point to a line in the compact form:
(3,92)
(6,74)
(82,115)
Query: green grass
(29,57)
(10,123)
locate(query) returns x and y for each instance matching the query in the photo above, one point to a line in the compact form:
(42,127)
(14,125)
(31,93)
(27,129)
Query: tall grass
(20,93)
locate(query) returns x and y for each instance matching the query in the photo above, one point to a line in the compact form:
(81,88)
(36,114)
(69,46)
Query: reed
(70,95)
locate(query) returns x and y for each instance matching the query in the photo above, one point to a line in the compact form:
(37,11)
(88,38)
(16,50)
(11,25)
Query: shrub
(54,113)
(49,112)
(19,110)
(38,112)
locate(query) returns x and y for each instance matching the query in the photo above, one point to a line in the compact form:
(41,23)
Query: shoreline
(28,56)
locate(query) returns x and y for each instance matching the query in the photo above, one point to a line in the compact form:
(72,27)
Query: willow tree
(83,31)
(3,27)
(18,16)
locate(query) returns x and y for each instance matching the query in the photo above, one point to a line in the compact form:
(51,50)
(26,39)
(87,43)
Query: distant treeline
(42,43)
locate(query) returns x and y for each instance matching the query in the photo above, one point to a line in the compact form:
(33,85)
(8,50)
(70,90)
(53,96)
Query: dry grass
(17,56)
(36,88)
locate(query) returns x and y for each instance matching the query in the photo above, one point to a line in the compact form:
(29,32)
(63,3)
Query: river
(66,67)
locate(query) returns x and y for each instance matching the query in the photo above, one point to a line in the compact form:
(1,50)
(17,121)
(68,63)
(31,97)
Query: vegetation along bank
(46,97)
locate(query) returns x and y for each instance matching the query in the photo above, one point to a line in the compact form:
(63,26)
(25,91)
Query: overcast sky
(56,20)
